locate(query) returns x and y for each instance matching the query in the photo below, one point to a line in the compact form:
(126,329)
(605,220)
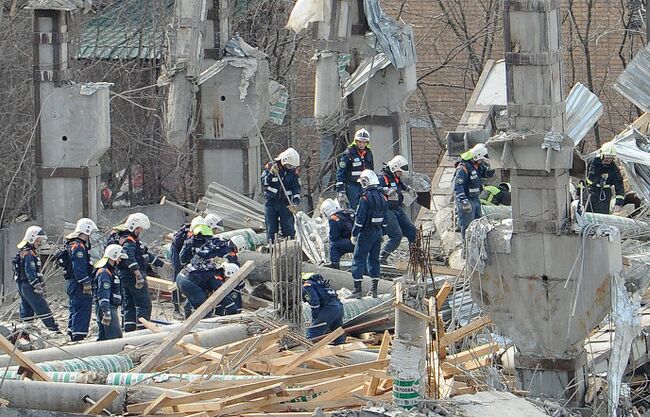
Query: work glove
(354,240)
(274,170)
(466,206)
(87,288)
(39,288)
(293,208)
(342,199)
(617,209)
(106,318)
(139,280)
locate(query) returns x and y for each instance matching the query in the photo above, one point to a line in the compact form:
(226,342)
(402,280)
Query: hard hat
(85,226)
(214,221)
(362,134)
(240,242)
(136,220)
(306,275)
(202,229)
(113,252)
(398,163)
(608,149)
(329,206)
(368,178)
(289,158)
(197,220)
(505,185)
(32,234)
(479,152)
(229,269)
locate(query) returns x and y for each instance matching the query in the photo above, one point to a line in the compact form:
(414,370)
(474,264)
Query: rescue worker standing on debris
(341,223)
(603,176)
(369,228)
(355,159)
(468,184)
(326,308)
(78,273)
(496,196)
(29,280)
(398,223)
(133,272)
(108,292)
(281,184)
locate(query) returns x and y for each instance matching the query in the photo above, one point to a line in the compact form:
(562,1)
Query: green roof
(127,29)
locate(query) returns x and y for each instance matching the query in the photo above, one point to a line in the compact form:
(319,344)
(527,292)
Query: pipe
(338,279)
(213,337)
(126,378)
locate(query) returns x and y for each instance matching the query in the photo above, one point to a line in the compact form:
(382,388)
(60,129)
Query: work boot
(375,285)
(383,258)
(333,265)
(357,291)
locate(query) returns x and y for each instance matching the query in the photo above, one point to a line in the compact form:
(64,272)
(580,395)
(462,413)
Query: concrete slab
(496,404)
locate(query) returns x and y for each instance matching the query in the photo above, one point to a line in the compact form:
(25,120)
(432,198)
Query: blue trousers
(136,303)
(466,217)
(366,253)
(113,330)
(277,215)
(197,286)
(353,191)
(32,304)
(328,318)
(398,225)
(228,306)
(80,310)
(339,248)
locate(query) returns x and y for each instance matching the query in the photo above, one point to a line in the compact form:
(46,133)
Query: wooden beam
(184,346)
(472,353)
(311,352)
(155,405)
(412,312)
(458,334)
(162,351)
(383,353)
(442,295)
(159,284)
(102,403)
(443,270)
(22,360)
(324,353)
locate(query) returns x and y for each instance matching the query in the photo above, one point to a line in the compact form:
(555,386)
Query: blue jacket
(180,237)
(392,188)
(273,190)
(218,248)
(136,257)
(27,266)
(318,293)
(80,259)
(108,288)
(468,180)
(351,164)
(190,247)
(341,224)
(371,211)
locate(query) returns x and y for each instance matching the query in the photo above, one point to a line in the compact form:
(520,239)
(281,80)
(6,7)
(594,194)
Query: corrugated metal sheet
(633,82)
(127,29)
(395,39)
(583,110)
(366,70)
(68,5)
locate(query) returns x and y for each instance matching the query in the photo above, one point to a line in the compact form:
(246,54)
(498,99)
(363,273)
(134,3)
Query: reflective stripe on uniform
(271,189)
(474,190)
(317,325)
(356,173)
(377,219)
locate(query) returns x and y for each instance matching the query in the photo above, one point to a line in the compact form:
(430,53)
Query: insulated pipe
(213,337)
(338,279)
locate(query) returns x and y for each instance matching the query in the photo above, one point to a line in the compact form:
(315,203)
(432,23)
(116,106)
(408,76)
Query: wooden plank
(184,346)
(162,351)
(246,397)
(458,334)
(442,295)
(383,353)
(156,405)
(443,270)
(327,351)
(236,346)
(472,353)
(22,360)
(159,284)
(311,352)
(411,311)
(102,403)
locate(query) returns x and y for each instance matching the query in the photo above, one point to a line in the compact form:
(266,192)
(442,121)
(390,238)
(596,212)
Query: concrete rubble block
(496,404)
(444,219)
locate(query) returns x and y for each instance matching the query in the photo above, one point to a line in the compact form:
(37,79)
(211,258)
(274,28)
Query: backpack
(16,266)
(63,261)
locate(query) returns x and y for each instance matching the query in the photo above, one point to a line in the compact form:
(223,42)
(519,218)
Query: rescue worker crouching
(341,223)
(232,303)
(398,223)
(281,184)
(354,160)
(27,273)
(108,292)
(367,233)
(326,308)
(78,272)
(499,195)
(602,176)
(179,238)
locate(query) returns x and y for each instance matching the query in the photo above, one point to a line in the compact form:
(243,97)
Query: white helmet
(479,152)
(214,222)
(362,134)
(289,158)
(368,178)
(229,269)
(86,226)
(197,220)
(114,252)
(398,163)
(32,234)
(136,220)
(329,206)
(240,242)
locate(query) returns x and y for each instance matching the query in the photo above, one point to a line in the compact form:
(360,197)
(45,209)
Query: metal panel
(633,82)
(583,110)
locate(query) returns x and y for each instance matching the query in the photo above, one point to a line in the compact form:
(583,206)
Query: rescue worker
(201,234)
(340,230)
(281,184)
(398,223)
(79,278)
(603,176)
(326,308)
(200,278)
(369,228)
(181,235)
(468,184)
(354,160)
(108,293)
(215,222)
(232,303)
(133,272)
(29,279)
(496,195)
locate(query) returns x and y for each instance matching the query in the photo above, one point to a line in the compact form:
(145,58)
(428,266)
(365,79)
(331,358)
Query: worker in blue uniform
(367,233)
(340,222)
(603,177)
(281,184)
(108,292)
(326,308)
(79,276)
(398,224)
(468,184)
(232,303)
(200,278)
(354,160)
(26,267)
